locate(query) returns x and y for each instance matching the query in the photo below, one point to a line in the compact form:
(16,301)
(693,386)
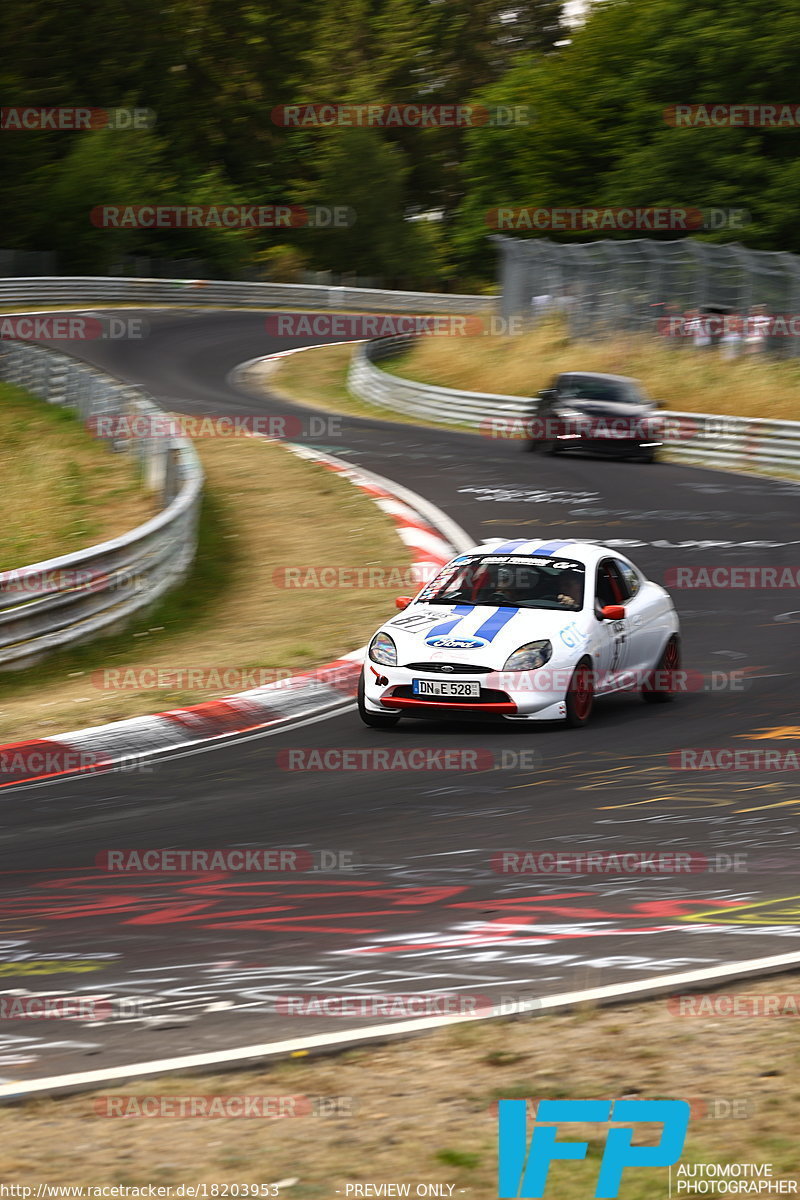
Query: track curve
(423,909)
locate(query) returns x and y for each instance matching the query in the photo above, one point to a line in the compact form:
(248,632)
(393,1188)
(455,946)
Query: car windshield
(507,581)
(585,387)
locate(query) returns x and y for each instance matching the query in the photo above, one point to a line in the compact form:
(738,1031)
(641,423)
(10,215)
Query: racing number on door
(619,634)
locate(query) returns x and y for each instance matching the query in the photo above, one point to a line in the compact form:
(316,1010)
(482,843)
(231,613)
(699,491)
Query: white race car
(525,631)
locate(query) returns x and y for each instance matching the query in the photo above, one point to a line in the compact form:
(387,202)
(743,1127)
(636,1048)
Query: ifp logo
(523,1172)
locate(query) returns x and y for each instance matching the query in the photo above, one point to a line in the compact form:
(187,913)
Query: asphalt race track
(423,909)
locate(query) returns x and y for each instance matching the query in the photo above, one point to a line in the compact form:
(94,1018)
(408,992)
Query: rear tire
(374,720)
(580,695)
(657,688)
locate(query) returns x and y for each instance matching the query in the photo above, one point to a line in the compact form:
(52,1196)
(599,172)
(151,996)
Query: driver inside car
(570,590)
(513,585)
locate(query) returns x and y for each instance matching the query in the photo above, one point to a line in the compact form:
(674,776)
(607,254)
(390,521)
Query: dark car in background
(606,414)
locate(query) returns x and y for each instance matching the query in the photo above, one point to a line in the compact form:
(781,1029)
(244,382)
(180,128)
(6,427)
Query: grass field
(61,489)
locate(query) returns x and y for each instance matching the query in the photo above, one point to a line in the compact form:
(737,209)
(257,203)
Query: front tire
(658,687)
(374,720)
(580,695)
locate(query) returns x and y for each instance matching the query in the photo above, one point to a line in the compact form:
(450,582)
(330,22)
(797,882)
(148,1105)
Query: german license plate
(447,687)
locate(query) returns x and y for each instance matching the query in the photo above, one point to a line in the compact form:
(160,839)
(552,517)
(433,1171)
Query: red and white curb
(433,539)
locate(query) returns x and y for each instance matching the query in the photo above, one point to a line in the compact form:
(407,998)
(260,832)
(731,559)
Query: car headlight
(570,414)
(383,650)
(529,657)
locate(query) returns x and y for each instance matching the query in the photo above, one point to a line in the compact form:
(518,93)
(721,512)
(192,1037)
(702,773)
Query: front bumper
(613,446)
(505,695)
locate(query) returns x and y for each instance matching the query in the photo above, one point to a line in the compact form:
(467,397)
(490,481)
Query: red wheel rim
(672,657)
(582,694)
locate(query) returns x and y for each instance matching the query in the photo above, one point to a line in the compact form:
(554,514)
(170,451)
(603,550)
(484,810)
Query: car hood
(484,635)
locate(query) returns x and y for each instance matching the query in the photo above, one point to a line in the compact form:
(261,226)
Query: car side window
(609,585)
(629,576)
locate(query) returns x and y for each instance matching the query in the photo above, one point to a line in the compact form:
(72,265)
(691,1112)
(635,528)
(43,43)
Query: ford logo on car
(446,643)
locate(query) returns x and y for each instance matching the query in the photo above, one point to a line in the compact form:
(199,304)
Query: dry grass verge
(62,489)
(318,378)
(422,1110)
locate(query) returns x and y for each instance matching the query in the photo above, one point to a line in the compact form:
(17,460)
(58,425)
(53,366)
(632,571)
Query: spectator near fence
(756,330)
(730,343)
(696,327)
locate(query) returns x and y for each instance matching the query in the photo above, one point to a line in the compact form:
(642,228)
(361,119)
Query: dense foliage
(214,73)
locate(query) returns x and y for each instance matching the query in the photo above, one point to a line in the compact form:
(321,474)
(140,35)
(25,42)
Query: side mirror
(403,602)
(613,612)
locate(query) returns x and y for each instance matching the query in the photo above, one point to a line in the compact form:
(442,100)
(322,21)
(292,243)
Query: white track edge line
(334,1041)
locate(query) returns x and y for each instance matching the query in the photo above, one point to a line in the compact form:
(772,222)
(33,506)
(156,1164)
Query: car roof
(588,553)
(598,375)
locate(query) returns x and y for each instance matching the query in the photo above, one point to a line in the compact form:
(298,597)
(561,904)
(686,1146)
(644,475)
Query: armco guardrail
(750,443)
(77,596)
(421,399)
(101,289)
